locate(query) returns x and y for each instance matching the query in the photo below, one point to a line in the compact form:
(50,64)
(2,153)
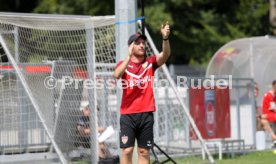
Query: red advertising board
(210,109)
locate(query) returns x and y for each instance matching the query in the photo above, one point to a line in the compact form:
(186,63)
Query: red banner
(210,109)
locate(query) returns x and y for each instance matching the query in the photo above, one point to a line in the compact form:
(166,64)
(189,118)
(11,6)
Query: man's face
(139,47)
(274,88)
(86,111)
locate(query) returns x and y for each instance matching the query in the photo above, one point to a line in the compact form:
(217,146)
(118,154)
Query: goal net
(58,94)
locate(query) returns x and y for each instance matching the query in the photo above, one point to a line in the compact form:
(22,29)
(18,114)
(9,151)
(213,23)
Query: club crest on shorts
(124,139)
(149,143)
(145,64)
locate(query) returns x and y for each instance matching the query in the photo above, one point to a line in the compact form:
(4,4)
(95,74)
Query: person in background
(269,111)
(84,133)
(258,108)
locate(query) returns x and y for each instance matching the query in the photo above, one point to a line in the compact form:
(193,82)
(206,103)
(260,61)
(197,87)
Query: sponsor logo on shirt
(131,66)
(145,64)
(139,82)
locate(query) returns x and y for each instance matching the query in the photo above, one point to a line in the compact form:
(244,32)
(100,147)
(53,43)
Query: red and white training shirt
(137,84)
(269,102)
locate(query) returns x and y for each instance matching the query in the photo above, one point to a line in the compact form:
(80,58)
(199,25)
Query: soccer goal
(54,67)
(43,93)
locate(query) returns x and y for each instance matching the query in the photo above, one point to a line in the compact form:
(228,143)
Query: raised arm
(119,71)
(166,49)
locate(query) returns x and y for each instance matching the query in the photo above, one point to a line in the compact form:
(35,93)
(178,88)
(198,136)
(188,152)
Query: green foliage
(198,27)
(49,6)
(155,22)
(80,7)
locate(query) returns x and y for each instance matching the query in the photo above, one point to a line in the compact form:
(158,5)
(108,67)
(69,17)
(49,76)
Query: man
(84,132)
(258,108)
(269,111)
(137,72)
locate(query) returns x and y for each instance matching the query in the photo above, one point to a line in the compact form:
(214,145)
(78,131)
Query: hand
(101,130)
(87,131)
(130,48)
(165,30)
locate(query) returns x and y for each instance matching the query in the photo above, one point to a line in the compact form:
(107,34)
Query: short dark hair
(273,82)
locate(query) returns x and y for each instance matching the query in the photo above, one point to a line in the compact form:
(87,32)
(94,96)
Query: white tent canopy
(247,58)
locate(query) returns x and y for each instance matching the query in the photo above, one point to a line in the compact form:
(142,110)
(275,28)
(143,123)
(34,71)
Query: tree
(81,7)
(199,27)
